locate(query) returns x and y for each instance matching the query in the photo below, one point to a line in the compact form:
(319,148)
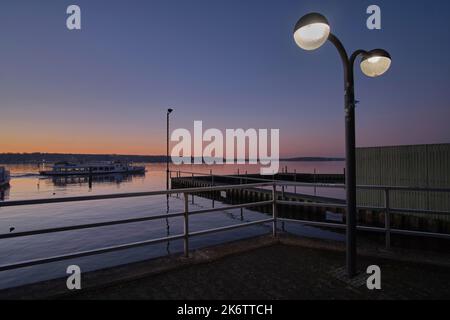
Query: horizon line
(148,155)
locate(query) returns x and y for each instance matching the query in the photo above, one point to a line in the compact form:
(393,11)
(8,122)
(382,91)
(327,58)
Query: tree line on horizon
(37,157)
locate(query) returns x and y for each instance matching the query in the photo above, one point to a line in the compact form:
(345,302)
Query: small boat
(92,168)
(4,177)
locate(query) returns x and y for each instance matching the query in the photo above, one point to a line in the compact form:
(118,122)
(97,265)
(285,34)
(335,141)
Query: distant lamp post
(310,33)
(169,111)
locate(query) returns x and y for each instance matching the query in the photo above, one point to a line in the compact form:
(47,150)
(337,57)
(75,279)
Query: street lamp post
(310,33)
(169,111)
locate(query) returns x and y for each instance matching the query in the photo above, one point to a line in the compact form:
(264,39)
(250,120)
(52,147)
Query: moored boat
(92,168)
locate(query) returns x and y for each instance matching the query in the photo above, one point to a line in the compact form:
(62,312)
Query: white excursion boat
(92,168)
(4,177)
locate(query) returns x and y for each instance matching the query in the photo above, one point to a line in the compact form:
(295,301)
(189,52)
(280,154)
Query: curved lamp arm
(352,61)
(344,56)
(347,62)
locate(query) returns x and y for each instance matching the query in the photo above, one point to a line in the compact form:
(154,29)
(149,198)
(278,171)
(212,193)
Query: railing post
(387,218)
(186,225)
(274,209)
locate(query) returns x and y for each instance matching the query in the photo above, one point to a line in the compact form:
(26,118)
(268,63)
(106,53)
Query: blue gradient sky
(230,63)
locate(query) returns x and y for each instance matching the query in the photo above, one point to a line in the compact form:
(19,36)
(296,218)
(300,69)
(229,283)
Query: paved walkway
(283,272)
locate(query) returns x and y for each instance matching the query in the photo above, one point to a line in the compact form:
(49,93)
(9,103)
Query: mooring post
(186,225)
(212,185)
(295,180)
(178,176)
(387,218)
(315,181)
(274,210)
(242,196)
(170,182)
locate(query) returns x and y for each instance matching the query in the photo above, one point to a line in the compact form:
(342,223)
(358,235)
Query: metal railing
(387,209)
(186,213)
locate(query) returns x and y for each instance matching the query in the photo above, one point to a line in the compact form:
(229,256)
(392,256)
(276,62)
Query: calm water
(27,184)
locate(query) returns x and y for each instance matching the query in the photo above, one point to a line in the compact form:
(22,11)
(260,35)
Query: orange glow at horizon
(83,145)
(125,145)
(91,137)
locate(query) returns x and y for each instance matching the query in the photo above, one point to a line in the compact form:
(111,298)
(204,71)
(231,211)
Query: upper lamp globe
(311,31)
(376,63)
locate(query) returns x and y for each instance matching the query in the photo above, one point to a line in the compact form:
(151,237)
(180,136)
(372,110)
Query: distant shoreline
(38,158)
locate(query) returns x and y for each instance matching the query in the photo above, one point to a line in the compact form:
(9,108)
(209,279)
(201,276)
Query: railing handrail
(14,203)
(126,221)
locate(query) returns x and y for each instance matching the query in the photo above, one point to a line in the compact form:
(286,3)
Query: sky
(230,63)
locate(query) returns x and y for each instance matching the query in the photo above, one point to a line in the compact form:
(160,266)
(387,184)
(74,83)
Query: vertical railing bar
(274,209)
(186,225)
(387,218)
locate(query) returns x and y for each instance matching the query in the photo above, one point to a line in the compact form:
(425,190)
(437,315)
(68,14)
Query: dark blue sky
(230,63)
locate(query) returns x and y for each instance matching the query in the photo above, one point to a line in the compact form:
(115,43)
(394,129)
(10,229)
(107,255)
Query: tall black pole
(167,154)
(350,179)
(350,152)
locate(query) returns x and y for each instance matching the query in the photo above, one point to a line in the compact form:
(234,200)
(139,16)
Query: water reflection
(116,178)
(26,183)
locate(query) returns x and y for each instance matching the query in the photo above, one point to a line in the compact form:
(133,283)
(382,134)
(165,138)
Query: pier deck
(262,268)
(284,272)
